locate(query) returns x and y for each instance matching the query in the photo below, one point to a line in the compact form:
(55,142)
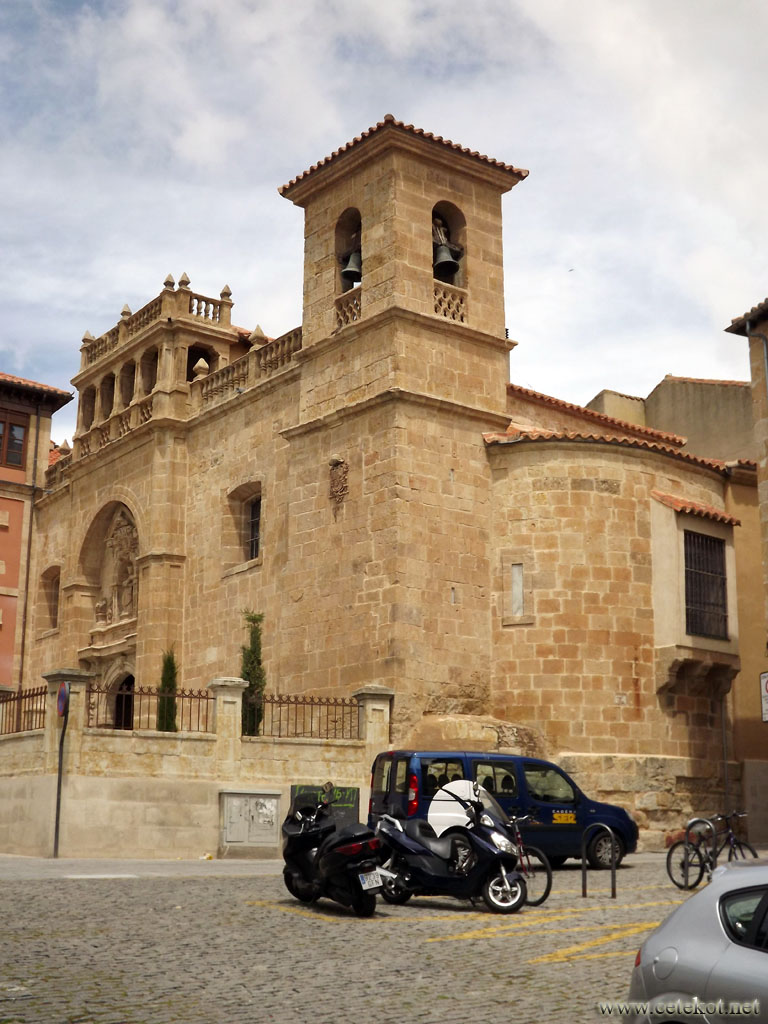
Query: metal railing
(23,711)
(145,707)
(302,717)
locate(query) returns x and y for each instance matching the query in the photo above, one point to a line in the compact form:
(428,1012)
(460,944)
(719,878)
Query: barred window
(706,606)
(254,527)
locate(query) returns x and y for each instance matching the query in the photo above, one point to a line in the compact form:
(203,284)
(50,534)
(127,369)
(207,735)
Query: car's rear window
(437,772)
(739,910)
(401,775)
(381,771)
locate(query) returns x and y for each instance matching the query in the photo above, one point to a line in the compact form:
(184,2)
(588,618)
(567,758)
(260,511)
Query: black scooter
(475,860)
(319,861)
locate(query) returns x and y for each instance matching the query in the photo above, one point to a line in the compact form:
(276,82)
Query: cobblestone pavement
(125,942)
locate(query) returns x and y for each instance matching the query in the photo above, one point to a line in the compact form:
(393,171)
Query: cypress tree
(166,697)
(252,671)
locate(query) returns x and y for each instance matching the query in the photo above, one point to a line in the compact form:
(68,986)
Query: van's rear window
(381,771)
(436,773)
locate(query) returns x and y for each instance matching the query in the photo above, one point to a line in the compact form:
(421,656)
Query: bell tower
(403,276)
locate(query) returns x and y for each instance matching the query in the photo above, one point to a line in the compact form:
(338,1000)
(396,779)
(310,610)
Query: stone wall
(145,794)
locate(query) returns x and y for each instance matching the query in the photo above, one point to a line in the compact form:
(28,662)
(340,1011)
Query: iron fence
(300,716)
(23,711)
(146,707)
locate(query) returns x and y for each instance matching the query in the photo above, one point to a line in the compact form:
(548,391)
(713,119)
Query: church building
(516,572)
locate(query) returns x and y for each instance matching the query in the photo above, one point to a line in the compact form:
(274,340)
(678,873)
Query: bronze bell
(353,271)
(444,264)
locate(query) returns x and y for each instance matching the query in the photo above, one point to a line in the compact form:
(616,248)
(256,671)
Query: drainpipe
(32,489)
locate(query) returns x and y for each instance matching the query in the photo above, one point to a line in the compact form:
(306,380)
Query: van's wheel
(599,851)
(556,862)
(299,888)
(364,904)
(501,899)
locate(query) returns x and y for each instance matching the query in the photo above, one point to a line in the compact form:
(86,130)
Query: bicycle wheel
(676,865)
(534,867)
(740,850)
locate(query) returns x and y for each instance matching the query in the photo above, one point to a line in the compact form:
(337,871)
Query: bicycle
(532,864)
(688,860)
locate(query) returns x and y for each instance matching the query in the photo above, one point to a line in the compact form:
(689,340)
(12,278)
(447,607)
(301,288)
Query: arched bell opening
(448,239)
(349,253)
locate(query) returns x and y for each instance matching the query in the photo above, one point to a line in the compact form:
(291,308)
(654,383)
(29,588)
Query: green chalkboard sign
(346,801)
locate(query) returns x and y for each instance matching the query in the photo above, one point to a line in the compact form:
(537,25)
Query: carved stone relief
(118,597)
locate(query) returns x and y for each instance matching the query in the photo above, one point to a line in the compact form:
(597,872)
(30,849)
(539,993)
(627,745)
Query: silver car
(709,960)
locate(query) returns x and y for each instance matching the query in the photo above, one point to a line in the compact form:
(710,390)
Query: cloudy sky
(147,137)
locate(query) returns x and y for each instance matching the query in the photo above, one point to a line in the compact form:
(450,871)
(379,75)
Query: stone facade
(510,566)
(26,408)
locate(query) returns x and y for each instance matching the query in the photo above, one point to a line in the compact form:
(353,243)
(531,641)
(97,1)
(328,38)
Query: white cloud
(150,136)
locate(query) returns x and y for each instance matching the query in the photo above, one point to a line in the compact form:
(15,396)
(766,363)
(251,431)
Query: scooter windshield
(448,808)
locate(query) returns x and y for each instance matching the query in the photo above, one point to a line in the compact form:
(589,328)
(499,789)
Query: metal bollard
(614,849)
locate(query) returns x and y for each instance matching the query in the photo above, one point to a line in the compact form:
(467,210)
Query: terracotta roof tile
(695,508)
(390,123)
(739,323)
(598,417)
(7,378)
(615,439)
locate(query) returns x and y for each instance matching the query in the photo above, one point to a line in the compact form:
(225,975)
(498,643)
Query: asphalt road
(222,942)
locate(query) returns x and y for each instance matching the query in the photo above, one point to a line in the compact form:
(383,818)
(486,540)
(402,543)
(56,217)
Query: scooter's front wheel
(298,888)
(503,898)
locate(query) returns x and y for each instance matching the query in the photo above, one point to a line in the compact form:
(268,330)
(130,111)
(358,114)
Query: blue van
(403,783)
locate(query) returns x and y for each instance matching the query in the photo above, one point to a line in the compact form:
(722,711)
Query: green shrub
(166,698)
(252,671)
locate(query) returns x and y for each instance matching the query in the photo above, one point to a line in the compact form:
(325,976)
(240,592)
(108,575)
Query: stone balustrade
(246,372)
(175,303)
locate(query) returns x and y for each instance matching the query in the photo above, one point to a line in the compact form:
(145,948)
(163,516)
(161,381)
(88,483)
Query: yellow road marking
(576,952)
(530,920)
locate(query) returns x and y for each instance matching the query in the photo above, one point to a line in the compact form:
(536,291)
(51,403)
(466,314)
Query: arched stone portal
(124,703)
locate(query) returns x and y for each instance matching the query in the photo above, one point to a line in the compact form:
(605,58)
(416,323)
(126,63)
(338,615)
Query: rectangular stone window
(706,600)
(517,598)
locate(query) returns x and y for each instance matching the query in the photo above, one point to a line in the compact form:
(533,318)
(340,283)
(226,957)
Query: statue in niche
(119,581)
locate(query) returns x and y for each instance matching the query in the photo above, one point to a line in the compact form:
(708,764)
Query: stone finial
(200,369)
(125,312)
(226,292)
(169,284)
(257,335)
(64,447)
(88,338)
(184,282)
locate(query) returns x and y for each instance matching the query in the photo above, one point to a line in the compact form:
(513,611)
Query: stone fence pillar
(76,722)
(375,704)
(229,724)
